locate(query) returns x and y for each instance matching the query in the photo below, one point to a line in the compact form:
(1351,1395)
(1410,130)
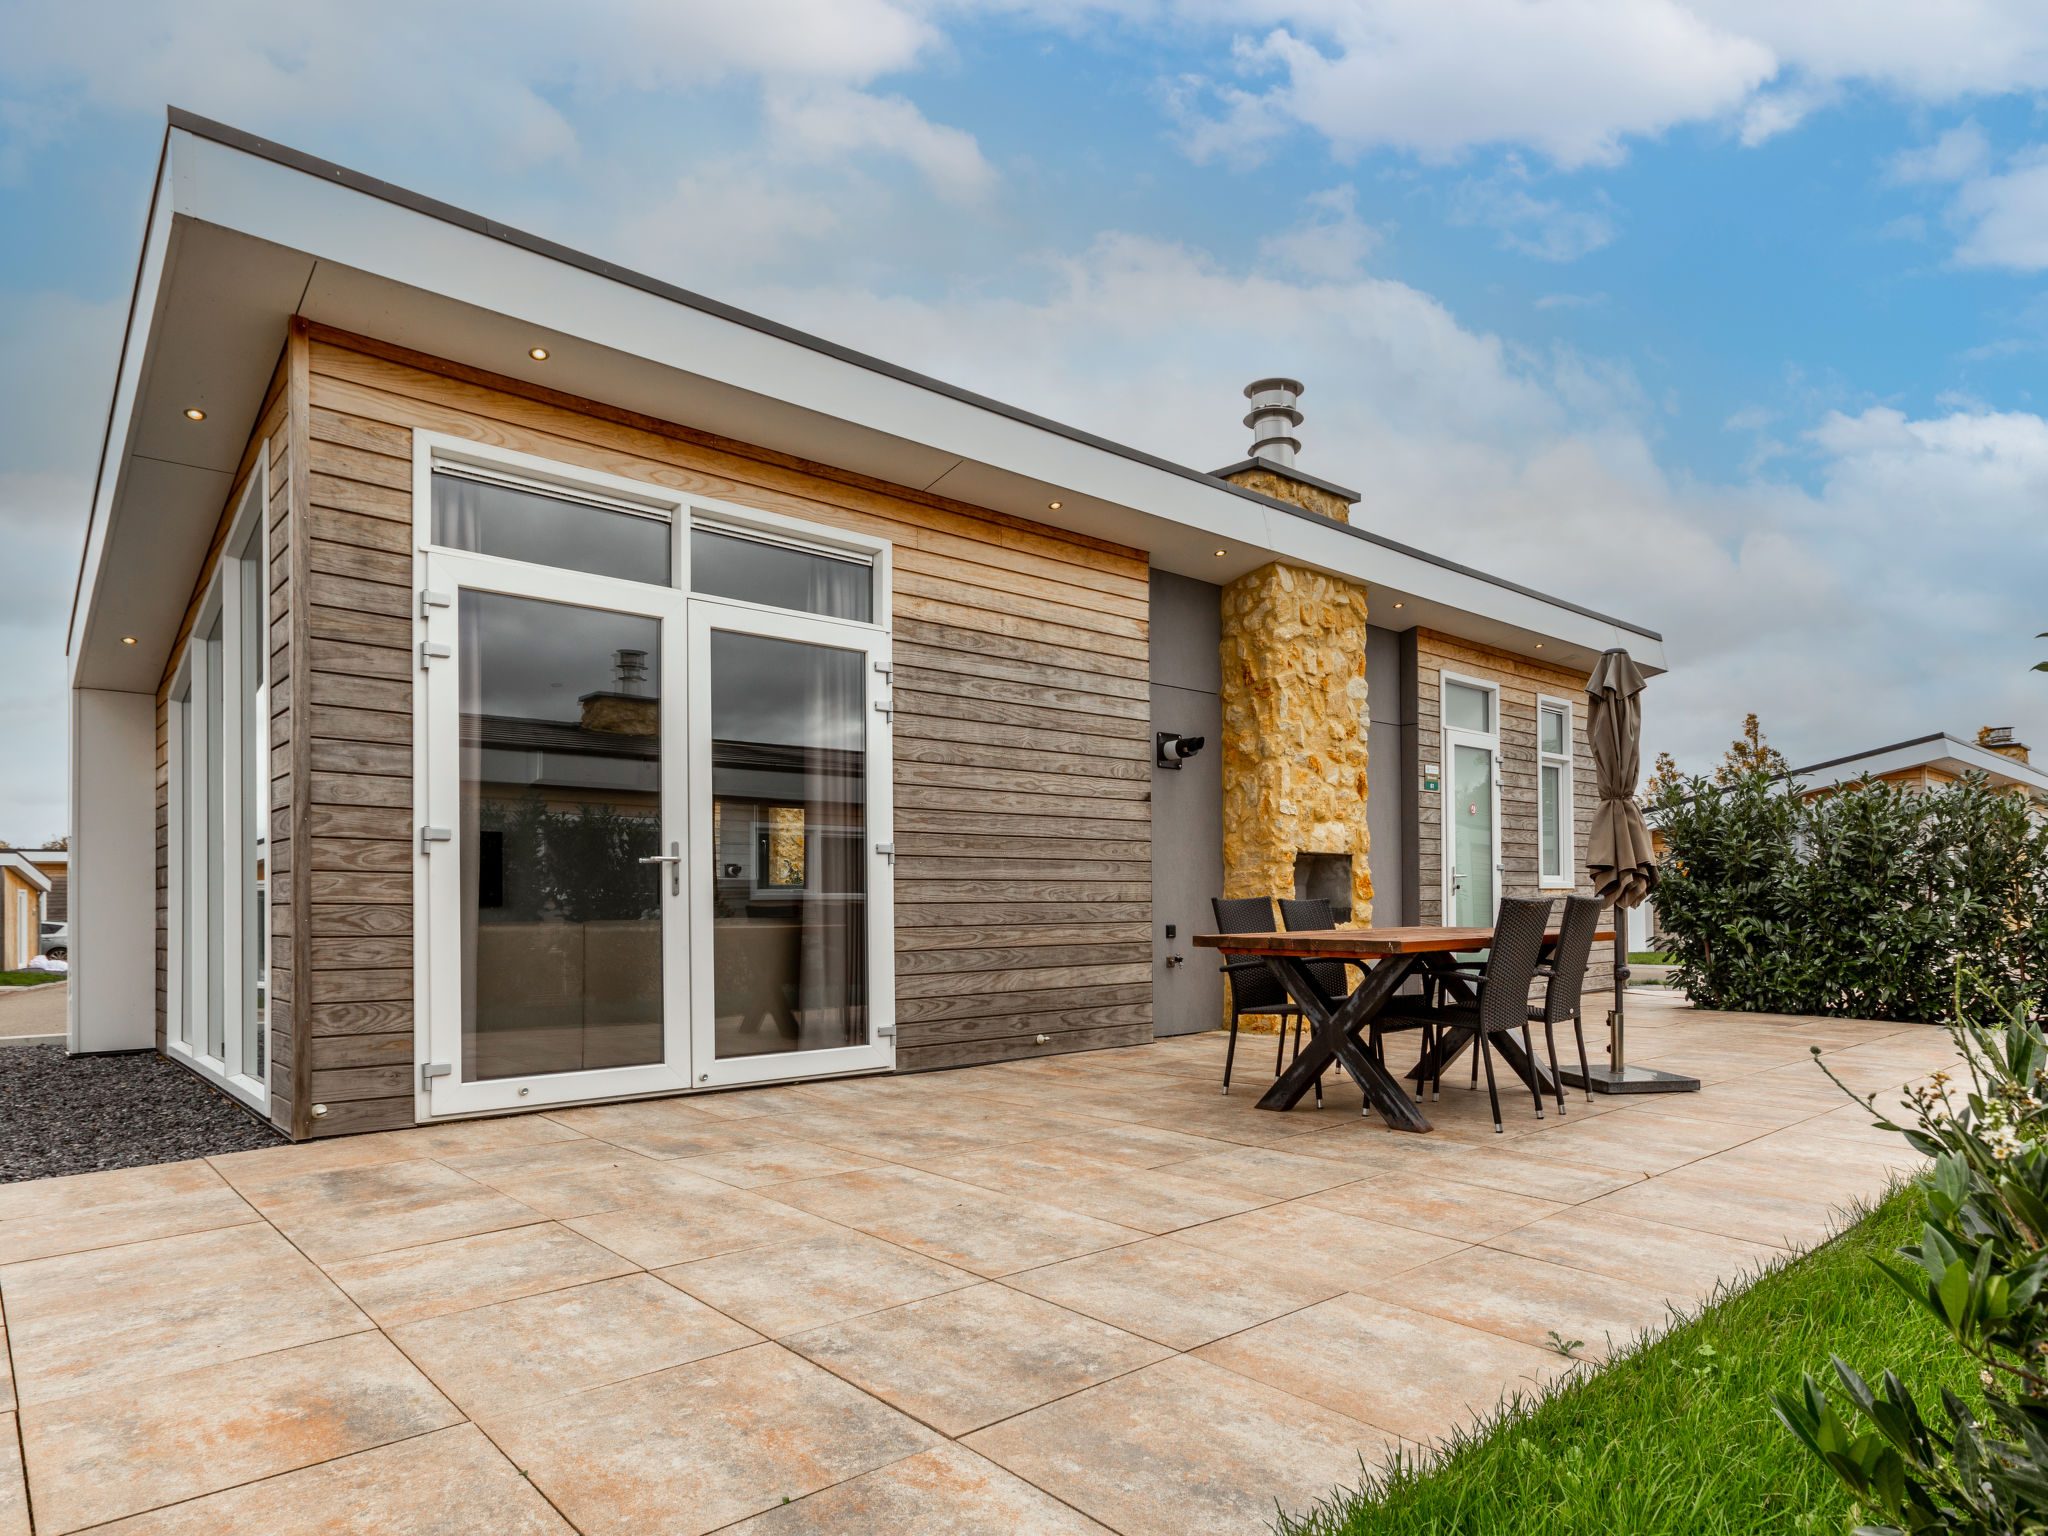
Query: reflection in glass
(254,703)
(561,799)
(570,535)
(1552,822)
(1472,834)
(191,869)
(789,820)
(754,571)
(1552,736)
(212,676)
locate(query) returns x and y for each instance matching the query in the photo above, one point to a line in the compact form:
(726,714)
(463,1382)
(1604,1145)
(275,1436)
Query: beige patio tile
(720,1221)
(495,1360)
(1246,1126)
(1469,1212)
(1182,1448)
(6,1374)
(853,1197)
(687,1450)
(1405,1372)
(86,1321)
(780,1160)
(452,1482)
(1171,1291)
(992,1233)
(1698,1200)
(1024,1168)
(1528,1299)
(500,1134)
(264,1165)
(968,1358)
(903,1139)
(1541,1178)
(358,1211)
(616,1183)
(1312,1242)
(407,1285)
(13,1487)
(946,1491)
(807,1283)
(658,1127)
(1677,1262)
(40,1218)
(496,1163)
(1149,1199)
(1268,1171)
(138,1446)
(1634,1143)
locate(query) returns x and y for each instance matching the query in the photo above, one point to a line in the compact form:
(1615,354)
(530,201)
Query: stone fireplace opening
(1325,876)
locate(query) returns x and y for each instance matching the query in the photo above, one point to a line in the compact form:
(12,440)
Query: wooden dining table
(1390,956)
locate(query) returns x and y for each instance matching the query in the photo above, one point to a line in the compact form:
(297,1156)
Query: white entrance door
(789,868)
(1471,816)
(552,827)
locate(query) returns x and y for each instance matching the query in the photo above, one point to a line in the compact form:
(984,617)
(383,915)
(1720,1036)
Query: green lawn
(26,978)
(1650,957)
(1679,1438)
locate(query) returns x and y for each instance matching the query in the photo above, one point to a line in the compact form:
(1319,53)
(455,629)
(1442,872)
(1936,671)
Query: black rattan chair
(1502,1004)
(1253,987)
(1566,972)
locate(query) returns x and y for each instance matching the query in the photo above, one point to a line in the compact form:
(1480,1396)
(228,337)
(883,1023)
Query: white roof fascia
(1111,491)
(10,859)
(1949,753)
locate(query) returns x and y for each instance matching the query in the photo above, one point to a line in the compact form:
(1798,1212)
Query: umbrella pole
(1617,1052)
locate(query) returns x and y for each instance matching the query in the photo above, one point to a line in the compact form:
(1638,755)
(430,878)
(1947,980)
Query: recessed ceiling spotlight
(127,639)
(193,413)
(1539,645)
(1221,552)
(1397,605)
(1052,506)
(538,354)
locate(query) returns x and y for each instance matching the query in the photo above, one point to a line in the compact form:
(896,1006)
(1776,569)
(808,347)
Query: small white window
(1554,792)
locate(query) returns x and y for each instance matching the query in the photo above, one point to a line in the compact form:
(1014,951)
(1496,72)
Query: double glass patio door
(648,839)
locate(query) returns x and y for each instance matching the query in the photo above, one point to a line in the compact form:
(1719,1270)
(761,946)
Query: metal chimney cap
(1273,417)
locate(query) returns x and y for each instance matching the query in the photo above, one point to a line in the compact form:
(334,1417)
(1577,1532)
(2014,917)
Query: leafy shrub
(1868,903)
(1978,1271)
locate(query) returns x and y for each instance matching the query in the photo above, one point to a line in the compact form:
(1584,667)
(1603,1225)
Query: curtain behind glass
(722,565)
(518,524)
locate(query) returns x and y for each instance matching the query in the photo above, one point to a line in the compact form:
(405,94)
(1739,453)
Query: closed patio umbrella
(1618,852)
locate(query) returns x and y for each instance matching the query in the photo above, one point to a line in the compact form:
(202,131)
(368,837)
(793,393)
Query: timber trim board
(298,407)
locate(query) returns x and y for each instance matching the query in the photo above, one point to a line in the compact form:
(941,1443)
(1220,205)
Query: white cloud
(1961,152)
(2006,215)
(821,125)
(1330,242)
(1541,227)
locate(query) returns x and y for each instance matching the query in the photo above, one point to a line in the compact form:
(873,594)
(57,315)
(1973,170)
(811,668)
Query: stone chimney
(1275,418)
(1294,696)
(1998,738)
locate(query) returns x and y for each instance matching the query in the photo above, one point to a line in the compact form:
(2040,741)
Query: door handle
(674,859)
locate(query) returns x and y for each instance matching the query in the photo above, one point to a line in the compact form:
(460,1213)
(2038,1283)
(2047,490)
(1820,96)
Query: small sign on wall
(1431,780)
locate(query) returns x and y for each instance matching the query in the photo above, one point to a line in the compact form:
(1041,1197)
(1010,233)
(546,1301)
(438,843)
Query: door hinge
(429,1070)
(430,653)
(435,835)
(887,709)
(887,669)
(434,600)
(887,851)
(885,1031)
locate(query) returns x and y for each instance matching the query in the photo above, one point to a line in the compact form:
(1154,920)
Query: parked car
(55,941)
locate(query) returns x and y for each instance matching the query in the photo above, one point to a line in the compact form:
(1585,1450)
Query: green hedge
(1865,903)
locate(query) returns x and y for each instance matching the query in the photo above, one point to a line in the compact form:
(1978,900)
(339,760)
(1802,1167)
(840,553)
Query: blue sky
(1723,315)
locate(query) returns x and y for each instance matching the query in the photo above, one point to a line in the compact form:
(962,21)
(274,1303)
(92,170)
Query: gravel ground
(78,1116)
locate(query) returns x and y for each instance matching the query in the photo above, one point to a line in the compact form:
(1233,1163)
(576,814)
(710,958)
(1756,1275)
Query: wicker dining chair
(1565,973)
(1502,1005)
(1253,986)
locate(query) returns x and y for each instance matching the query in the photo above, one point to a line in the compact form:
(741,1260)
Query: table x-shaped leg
(1337,1023)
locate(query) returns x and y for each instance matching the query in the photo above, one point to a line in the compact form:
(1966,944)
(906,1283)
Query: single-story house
(501,679)
(1929,762)
(23,891)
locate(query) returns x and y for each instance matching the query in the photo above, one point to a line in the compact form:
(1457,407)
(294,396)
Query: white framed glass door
(1471,813)
(790,847)
(552,825)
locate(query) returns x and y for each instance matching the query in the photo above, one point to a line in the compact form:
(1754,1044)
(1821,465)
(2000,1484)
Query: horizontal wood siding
(1023,815)
(1520,681)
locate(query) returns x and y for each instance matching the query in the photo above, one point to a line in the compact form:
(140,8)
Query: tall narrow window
(1554,791)
(253,701)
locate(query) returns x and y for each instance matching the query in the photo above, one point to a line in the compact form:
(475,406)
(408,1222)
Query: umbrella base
(1631,1080)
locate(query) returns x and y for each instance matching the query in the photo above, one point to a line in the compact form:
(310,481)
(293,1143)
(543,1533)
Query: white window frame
(1562,761)
(192,821)
(436,938)
(1451,737)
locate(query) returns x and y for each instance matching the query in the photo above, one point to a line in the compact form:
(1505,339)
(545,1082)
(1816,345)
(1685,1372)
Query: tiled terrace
(1063,1296)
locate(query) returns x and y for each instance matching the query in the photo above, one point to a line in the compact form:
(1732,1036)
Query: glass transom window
(1467,708)
(516,523)
(781,576)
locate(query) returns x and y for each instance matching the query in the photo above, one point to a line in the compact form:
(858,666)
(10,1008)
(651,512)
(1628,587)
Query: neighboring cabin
(1929,762)
(545,685)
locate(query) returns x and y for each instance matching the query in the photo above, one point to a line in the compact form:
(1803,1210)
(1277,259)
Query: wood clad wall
(1022,731)
(271,430)
(1520,681)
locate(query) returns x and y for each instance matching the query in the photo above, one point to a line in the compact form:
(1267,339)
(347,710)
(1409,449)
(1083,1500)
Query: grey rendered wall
(1390,773)
(1187,803)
